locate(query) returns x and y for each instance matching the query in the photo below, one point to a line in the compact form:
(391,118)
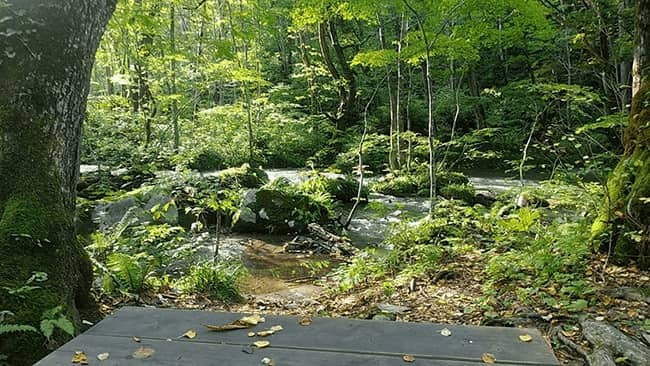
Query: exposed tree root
(609,342)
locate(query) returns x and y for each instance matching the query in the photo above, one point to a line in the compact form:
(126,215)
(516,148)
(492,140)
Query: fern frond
(15,328)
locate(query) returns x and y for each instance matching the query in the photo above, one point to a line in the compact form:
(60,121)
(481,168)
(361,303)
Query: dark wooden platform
(326,342)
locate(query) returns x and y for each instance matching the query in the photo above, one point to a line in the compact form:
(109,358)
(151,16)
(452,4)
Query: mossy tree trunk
(624,221)
(47,51)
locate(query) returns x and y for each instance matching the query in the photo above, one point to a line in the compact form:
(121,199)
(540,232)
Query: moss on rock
(278,211)
(244,176)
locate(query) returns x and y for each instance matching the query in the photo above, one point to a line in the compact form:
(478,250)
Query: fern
(130,271)
(15,328)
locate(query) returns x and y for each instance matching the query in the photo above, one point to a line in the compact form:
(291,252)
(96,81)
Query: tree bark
(624,211)
(45,66)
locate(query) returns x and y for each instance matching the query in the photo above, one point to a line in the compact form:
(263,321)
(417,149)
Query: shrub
(217,281)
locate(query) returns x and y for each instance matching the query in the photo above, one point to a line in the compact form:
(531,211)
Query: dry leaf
(251,320)
(568,333)
(408,358)
(226,327)
(265,333)
(305,321)
(599,318)
(191,334)
(488,358)
(526,338)
(243,323)
(268,361)
(103,356)
(445,332)
(143,352)
(136,339)
(262,344)
(80,358)
(251,334)
(276,328)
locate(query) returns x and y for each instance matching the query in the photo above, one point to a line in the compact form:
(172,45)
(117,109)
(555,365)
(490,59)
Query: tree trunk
(625,212)
(45,73)
(173,67)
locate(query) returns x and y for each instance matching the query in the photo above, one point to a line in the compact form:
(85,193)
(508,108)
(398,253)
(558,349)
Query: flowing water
(274,273)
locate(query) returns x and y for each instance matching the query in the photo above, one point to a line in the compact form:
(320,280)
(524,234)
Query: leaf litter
(80,358)
(243,323)
(143,353)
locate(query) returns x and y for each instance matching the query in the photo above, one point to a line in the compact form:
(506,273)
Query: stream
(284,277)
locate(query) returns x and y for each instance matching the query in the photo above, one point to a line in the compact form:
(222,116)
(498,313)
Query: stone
(169,215)
(392,309)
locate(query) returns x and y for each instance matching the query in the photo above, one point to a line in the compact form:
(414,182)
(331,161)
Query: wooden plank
(339,335)
(177,353)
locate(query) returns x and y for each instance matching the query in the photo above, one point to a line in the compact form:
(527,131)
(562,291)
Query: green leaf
(47,327)
(578,305)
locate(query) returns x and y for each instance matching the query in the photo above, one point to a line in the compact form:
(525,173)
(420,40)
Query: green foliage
(29,285)
(463,192)
(55,319)
(363,267)
(244,176)
(217,281)
(404,184)
(340,189)
(375,155)
(129,273)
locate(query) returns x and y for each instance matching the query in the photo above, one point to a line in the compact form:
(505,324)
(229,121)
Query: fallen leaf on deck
(251,334)
(445,332)
(143,352)
(276,328)
(251,320)
(305,321)
(243,323)
(408,358)
(268,361)
(488,358)
(136,339)
(526,338)
(262,344)
(103,356)
(80,358)
(226,327)
(265,333)
(191,334)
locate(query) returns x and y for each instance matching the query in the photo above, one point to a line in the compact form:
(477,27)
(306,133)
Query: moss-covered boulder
(243,176)
(278,211)
(344,189)
(99,184)
(448,184)
(146,204)
(461,192)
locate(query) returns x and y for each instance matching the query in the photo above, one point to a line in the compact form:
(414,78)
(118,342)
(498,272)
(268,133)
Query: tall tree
(626,210)
(47,54)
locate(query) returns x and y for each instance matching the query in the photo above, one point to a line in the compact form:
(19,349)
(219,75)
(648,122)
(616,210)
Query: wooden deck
(325,342)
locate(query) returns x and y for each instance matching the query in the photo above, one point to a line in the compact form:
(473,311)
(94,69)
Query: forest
(478,162)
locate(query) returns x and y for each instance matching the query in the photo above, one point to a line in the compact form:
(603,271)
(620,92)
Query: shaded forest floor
(452,295)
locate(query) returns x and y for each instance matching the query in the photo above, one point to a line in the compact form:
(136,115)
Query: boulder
(278,211)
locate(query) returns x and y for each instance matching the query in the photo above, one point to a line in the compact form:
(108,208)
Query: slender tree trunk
(172,40)
(392,149)
(44,82)
(625,211)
